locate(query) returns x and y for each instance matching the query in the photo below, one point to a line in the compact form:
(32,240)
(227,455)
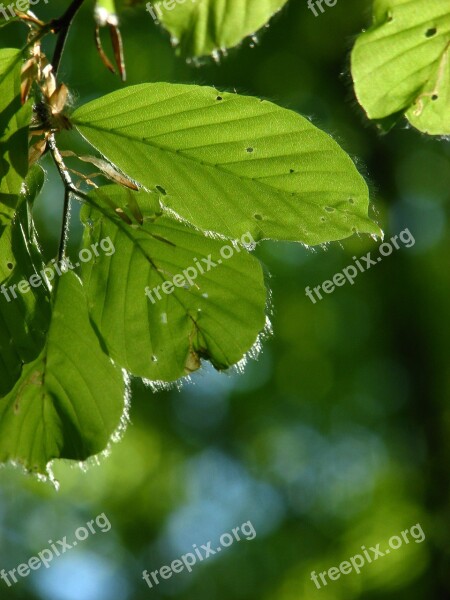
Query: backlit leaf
(230,164)
(68,401)
(205,26)
(218,315)
(402,63)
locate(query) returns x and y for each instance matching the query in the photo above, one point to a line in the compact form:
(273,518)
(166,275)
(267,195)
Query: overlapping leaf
(230,164)
(402,63)
(24,318)
(216,315)
(69,400)
(14,121)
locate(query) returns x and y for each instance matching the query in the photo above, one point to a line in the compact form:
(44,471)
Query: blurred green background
(337,436)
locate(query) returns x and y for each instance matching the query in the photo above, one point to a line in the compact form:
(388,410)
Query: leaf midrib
(182,156)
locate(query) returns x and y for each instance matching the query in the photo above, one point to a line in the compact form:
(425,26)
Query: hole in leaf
(161,190)
(10,266)
(434,97)
(431,32)
(154,359)
(249,149)
(219,98)
(258,217)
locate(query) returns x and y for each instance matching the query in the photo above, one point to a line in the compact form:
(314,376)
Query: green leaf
(230,164)
(34,183)
(68,401)
(218,317)
(205,26)
(14,121)
(402,63)
(24,318)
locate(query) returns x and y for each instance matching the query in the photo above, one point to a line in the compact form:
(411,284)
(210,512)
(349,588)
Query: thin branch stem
(61,27)
(65,226)
(68,190)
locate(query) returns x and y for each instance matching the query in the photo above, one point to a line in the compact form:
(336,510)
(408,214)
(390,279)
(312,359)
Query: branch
(61,27)
(68,190)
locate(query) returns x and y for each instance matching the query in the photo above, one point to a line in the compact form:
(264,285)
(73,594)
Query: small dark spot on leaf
(431,32)
(351,201)
(329,208)
(10,266)
(249,149)
(291,171)
(219,98)
(258,217)
(161,190)
(322,219)
(434,97)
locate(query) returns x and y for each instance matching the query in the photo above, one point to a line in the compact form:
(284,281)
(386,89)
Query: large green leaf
(230,164)
(205,26)
(218,317)
(14,121)
(68,401)
(24,318)
(402,63)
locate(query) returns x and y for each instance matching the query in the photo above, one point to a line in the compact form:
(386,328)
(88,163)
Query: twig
(61,27)
(69,189)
